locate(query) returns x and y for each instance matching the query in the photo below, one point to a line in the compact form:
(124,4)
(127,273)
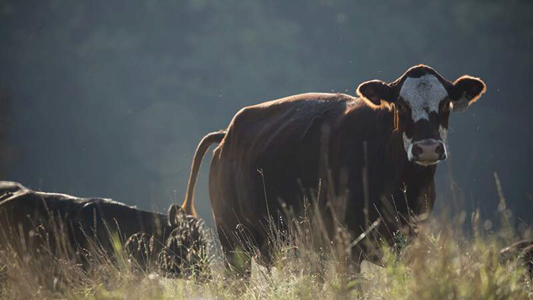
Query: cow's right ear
(175,212)
(375,91)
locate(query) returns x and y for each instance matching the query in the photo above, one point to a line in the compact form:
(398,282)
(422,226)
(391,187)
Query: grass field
(446,261)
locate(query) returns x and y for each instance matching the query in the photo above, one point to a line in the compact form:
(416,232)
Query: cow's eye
(445,105)
(401,107)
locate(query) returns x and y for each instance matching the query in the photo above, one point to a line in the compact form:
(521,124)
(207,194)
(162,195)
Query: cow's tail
(203,146)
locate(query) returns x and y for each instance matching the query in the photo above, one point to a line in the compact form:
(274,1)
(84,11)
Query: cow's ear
(375,91)
(175,212)
(465,91)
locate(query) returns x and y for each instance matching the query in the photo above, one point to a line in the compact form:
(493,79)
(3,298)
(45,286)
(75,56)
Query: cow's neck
(411,181)
(407,175)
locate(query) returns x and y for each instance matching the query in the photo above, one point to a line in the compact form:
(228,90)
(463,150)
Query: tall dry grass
(448,260)
(442,263)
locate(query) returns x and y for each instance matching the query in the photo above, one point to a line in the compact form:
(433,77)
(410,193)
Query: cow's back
(105,219)
(270,152)
(35,221)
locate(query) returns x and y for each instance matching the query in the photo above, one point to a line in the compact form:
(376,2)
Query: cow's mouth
(427,163)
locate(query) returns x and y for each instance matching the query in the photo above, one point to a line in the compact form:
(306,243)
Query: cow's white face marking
(423,95)
(408,146)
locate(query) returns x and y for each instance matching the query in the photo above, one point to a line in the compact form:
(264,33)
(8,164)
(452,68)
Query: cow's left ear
(375,91)
(175,212)
(465,91)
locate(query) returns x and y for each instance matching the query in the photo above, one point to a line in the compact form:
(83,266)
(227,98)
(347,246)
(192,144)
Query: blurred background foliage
(110,98)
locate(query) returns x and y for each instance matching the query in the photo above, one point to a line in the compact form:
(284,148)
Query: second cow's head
(423,100)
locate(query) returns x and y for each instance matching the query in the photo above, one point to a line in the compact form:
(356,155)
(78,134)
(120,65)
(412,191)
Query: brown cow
(374,158)
(82,229)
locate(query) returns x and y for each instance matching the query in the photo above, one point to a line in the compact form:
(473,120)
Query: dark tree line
(110,98)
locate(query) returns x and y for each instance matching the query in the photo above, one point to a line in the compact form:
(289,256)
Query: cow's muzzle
(428,152)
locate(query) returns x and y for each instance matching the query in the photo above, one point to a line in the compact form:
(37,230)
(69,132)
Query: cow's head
(423,100)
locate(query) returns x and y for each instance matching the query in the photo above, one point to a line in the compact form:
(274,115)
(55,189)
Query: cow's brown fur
(282,151)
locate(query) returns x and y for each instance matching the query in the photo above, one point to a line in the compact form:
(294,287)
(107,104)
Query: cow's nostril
(417,150)
(440,149)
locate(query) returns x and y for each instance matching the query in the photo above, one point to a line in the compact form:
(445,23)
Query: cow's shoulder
(364,117)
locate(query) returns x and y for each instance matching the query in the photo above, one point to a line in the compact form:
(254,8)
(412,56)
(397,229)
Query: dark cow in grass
(365,158)
(87,230)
